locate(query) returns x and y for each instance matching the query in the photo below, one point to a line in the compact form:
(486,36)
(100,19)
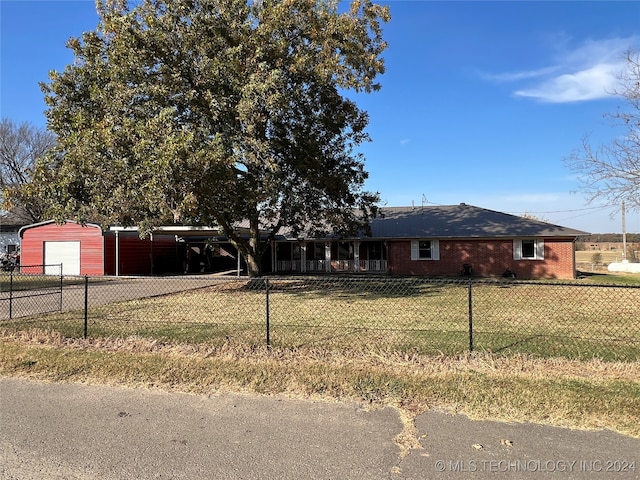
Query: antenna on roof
(424,200)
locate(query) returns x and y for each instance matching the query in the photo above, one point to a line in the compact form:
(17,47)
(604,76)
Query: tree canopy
(216,112)
(611,172)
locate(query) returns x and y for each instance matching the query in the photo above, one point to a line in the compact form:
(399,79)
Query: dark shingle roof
(448,221)
(460,221)
(10,223)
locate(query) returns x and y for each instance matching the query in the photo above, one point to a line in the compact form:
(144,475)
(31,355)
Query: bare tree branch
(611,172)
(20,147)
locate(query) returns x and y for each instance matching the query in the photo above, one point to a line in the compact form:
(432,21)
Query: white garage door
(65,253)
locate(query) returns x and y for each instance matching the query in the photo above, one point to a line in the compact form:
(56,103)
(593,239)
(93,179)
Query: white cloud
(588,84)
(588,72)
(598,51)
(523,75)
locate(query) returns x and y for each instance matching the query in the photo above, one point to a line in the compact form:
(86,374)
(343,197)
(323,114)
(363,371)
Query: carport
(197,249)
(87,249)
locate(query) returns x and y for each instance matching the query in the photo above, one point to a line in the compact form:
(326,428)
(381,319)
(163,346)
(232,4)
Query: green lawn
(20,282)
(544,320)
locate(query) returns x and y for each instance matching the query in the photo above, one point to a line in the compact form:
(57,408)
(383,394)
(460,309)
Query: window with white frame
(528,249)
(425,250)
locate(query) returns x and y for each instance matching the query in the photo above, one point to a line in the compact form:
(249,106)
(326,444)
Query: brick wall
(488,258)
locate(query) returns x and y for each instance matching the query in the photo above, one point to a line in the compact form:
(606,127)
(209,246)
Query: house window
(425,250)
(528,249)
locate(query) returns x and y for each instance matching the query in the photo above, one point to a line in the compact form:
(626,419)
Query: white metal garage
(65,253)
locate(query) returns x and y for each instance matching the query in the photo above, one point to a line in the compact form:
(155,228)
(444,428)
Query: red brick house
(441,240)
(426,241)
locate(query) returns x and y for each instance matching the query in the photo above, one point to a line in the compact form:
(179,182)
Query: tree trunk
(253,266)
(250,248)
(250,256)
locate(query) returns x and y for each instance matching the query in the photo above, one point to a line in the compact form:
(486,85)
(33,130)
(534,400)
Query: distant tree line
(586,242)
(608,238)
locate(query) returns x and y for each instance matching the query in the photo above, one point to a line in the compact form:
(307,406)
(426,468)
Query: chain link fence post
(267,313)
(86,306)
(470,316)
(61,282)
(10,294)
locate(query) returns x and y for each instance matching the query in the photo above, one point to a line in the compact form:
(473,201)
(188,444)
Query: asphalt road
(74,431)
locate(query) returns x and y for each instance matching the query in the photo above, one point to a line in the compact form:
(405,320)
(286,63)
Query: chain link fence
(429,316)
(28,289)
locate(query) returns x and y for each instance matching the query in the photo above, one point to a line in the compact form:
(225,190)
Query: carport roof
(181,230)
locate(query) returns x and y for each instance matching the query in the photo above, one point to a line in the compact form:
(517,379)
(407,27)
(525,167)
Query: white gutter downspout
(356,255)
(117,254)
(327,256)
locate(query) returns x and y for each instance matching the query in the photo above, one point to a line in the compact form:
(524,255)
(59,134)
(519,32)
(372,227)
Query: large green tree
(222,112)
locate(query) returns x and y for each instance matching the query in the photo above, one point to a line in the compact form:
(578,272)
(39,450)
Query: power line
(569,211)
(425,201)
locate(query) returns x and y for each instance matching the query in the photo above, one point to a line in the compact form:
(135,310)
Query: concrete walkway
(73,431)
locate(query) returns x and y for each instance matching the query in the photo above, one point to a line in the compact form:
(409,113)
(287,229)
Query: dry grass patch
(589,395)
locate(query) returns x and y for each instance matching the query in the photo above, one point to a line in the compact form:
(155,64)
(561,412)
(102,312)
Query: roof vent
(462,204)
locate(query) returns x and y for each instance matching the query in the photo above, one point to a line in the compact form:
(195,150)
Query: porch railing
(359,266)
(336,266)
(316,265)
(288,266)
(373,265)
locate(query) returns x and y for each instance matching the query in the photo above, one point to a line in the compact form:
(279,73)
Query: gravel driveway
(101,291)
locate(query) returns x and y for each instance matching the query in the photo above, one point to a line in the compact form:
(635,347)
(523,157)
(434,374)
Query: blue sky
(480,103)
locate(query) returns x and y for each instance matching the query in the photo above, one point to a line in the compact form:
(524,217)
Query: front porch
(329,256)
